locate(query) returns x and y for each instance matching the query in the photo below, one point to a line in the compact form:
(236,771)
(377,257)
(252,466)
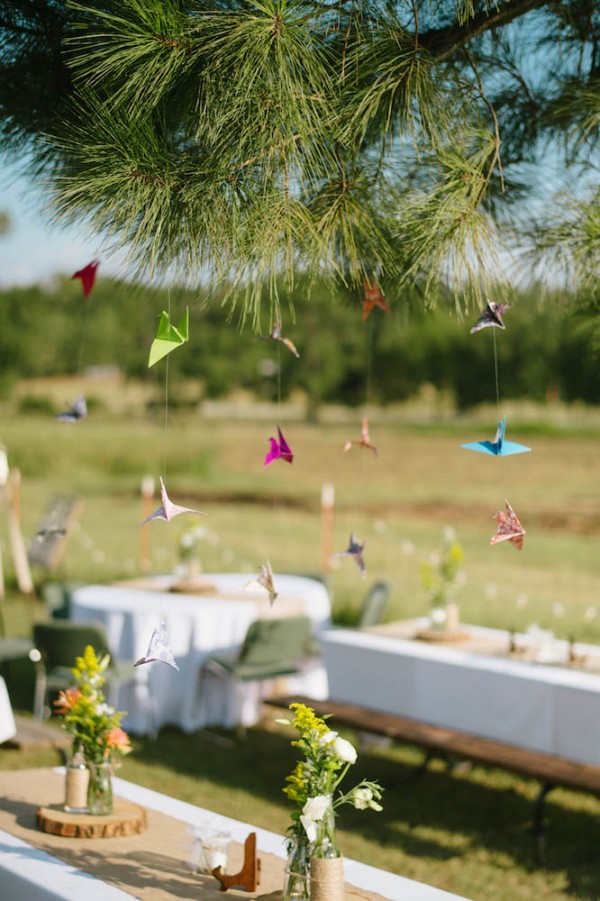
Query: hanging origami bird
(77,411)
(509,528)
(491,316)
(365,440)
(87,276)
(168,509)
(159,649)
(373,298)
(355,549)
(277,336)
(168,336)
(498,447)
(264,582)
(280,449)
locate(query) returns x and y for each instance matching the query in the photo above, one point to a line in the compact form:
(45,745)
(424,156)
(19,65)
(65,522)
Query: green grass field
(467,833)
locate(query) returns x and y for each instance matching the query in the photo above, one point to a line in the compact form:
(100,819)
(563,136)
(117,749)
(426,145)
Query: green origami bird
(168,336)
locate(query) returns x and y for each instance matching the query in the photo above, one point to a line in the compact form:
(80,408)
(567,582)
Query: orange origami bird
(373,298)
(365,440)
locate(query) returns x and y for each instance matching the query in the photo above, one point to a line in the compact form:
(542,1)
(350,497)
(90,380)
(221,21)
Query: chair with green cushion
(374,605)
(57,598)
(271,648)
(59,642)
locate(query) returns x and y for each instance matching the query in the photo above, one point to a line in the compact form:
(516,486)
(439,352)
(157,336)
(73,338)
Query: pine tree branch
(443,42)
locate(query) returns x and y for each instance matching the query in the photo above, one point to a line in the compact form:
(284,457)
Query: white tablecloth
(198,626)
(544,708)
(7,720)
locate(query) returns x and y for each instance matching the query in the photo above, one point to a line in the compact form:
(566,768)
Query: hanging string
(369,360)
(84,331)
(166,424)
(496,371)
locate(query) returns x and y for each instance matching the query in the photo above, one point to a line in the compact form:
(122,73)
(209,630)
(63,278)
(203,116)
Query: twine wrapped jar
(76,784)
(327,879)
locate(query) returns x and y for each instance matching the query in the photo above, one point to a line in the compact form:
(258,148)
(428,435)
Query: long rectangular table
(151,866)
(198,624)
(549,708)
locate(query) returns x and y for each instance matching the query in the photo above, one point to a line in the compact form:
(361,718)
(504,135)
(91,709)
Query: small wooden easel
(249,876)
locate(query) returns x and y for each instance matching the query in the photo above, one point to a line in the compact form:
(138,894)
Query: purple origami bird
(159,649)
(168,509)
(491,316)
(355,549)
(77,411)
(280,449)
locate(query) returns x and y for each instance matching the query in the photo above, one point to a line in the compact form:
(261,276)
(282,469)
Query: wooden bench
(551,771)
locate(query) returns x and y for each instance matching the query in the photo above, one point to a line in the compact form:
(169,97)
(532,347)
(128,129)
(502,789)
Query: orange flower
(66,700)
(118,738)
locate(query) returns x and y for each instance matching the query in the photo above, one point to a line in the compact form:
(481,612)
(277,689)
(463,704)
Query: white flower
(312,812)
(315,807)
(363,798)
(327,739)
(344,751)
(338,747)
(104,710)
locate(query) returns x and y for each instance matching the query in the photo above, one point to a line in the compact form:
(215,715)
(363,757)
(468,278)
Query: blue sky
(35,250)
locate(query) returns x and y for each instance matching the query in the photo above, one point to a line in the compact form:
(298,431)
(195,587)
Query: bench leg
(538,823)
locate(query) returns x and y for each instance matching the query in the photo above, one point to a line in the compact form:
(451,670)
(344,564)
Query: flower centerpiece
(441,576)
(189,552)
(312,786)
(95,727)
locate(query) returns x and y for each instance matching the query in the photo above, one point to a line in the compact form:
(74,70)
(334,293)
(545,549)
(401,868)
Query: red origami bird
(509,528)
(373,298)
(87,276)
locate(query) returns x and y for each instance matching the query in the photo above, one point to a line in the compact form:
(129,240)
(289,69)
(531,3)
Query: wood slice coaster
(193,586)
(126,819)
(448,636)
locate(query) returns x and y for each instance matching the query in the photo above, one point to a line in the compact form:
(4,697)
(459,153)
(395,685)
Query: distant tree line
(548,350)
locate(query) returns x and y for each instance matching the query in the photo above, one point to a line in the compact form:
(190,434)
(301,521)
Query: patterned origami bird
(355,549)
(168,509)
(491,316)
(159,649)
(264,582)
(279,450)
(498,447)
(77,411)
(277,336)
(373,298)
(365,440)
(87,276)
(509,528)
(168,336)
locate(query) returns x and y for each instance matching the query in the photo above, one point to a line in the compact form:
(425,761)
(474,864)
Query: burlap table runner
(150,866)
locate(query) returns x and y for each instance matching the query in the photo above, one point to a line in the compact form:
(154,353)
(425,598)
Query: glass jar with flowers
(95,727)
(441,576)
(315,865)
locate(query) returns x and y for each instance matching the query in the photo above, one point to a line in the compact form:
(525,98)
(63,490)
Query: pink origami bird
(87,276)
(279,449)
(355,549)
(509,528)
(168,509)
(159,649)
(373,298)
(491,316)
(277,336)
(365,440)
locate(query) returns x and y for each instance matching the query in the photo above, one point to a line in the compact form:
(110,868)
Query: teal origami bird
(168,336)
